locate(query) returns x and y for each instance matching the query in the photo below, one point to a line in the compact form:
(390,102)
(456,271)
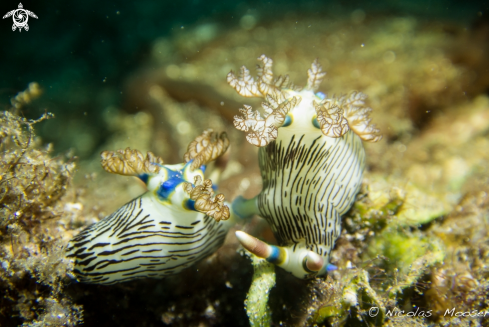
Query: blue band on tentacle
(274,256)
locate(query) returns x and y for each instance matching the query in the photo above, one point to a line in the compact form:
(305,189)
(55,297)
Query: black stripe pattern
(309,181)
(144,238)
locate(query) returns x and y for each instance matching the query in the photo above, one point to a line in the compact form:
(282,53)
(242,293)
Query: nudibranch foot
(296,258)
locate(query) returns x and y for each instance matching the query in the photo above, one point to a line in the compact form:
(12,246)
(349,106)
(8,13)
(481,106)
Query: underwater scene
(244,163)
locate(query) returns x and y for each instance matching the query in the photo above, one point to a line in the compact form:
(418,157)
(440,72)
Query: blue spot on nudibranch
(288,120)
(168,187)
(144,177)
(321,95)
(331,267)
(315,122)
(190,204)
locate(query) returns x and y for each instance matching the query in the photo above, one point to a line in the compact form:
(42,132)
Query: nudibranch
(174,224)
(311,159)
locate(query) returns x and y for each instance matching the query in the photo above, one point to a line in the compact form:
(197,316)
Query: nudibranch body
(311,168)
(170,227)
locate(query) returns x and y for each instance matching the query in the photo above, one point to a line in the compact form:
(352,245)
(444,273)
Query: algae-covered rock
(406,203)
(401,248)
(256,303)
(35,194)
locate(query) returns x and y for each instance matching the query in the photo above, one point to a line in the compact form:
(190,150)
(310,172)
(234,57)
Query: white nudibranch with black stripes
(170,227)
(311,168)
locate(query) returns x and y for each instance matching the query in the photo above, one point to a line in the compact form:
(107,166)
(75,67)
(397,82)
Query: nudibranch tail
(286,257)
(130,162)
(206,147)
(245,208)
(202,193)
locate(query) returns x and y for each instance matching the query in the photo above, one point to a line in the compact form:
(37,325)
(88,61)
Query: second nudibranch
(173,225)
(311,159)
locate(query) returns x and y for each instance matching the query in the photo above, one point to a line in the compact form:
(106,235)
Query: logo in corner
(20,17)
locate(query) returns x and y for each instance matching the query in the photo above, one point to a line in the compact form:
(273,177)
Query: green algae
(256,303)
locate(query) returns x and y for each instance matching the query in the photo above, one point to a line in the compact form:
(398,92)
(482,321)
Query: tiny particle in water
(362,45)
(401,148)
(389,57)
(358,16)
(183,127)
(247,22)
(222,103)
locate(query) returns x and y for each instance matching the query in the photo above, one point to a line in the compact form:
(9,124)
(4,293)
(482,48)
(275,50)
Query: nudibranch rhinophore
(311,169)
(170,227)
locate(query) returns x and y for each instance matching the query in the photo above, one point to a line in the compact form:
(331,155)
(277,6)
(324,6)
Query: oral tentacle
(296,259)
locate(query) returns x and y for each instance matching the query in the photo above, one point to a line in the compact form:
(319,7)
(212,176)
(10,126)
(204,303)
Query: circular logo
(20,17)
(373,312)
